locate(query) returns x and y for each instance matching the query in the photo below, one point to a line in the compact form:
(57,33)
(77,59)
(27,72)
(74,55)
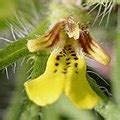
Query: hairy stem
(106,108)
(21,108)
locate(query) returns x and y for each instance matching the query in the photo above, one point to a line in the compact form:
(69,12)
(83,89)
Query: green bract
(62,11)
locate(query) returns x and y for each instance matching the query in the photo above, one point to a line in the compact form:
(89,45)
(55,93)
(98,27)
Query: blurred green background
(19,18)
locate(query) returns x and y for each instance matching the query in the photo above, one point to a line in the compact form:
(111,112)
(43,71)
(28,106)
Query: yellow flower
(66,67)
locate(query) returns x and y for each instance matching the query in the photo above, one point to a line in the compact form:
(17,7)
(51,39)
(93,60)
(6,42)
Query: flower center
(70,58)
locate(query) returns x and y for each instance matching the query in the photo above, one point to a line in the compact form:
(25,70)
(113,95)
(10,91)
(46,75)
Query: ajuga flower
(66,67)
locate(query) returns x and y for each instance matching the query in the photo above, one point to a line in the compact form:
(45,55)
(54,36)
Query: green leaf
(18,99)
(3,25)
(31,111)
(6,8)
(39,65)
(12,52)
(18,49)
(118,1)
(116,72)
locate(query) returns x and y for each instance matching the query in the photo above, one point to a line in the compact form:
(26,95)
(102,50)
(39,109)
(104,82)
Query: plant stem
(116,72)
(106,108)
(32,111)
(21,108)
(109,110)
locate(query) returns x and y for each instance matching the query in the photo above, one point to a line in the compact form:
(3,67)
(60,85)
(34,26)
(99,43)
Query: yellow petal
(44,89)
(47,88)
(48,40)
(78,89)
(35,44)
(92,49)
(98,54)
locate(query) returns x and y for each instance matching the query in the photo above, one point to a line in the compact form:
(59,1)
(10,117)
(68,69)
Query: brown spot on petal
(76,72)
(57,58)
(76,64)
(65,69)
(65,72)
(55,71)
(68,63)
(75,58)
(67,59)
(73,54)
(56,64)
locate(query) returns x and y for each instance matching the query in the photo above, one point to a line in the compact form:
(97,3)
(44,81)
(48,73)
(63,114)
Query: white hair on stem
(99,10)
(14,65)
(106,10)
(30,69)
(108,6)
(14,68)
(109,12)
(19,29)
(7,74)
(98,76)
(23,60)
(93,8)
(21,24)
(104,89)
(12,31)
(5,39)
